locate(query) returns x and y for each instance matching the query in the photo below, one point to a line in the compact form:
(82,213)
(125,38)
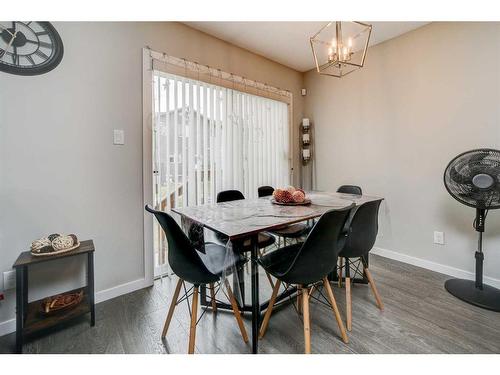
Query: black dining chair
(197,268)
(265,191)
(292,231)
(350,189)
(307,264)
(357,243)
(347,189)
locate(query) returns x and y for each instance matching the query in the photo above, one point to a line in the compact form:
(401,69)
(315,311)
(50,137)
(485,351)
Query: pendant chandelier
(339,48)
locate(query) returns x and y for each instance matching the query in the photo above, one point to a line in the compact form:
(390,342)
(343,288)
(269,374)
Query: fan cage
(460,171)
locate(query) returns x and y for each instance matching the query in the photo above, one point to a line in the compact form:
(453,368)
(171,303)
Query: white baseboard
(121,289)
(9,326)
(433,266)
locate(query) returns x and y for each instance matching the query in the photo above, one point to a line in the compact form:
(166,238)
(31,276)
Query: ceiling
(288,42)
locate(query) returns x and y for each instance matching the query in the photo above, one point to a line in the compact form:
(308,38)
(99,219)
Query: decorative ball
(286,197)
(53,236)
(75,239)
(303,192)
(40,243)
(276,192)
(298,196)
(62,242)
(290,189)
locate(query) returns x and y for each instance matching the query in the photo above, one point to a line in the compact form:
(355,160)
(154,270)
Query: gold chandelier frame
(338,31)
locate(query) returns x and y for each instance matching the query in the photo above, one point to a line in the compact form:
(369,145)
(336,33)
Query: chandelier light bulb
(330,54)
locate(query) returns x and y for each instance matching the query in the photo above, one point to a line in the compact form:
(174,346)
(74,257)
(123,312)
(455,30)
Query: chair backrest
(362,231)
(318,255)
(182,256)
(265,191)
(350,189)
(229,195)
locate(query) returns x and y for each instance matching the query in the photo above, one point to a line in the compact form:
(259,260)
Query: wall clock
(29,48)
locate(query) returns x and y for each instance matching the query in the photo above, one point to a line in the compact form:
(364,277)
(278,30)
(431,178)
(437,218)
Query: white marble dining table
(247,217)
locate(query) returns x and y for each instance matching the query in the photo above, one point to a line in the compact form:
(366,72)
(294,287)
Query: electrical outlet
(9,280)
(439,238)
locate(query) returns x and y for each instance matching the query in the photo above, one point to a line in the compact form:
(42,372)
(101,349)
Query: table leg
(203,296)
(90,287)
(240,284)
(25,292)
(20,307)
(255,296)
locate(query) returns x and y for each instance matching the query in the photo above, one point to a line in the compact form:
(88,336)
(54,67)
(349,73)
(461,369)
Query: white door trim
(147,162)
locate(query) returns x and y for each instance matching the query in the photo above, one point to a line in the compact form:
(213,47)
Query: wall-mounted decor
(29,48)
(306,141)
(339,48)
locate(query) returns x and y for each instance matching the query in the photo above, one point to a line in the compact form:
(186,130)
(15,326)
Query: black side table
(29,319)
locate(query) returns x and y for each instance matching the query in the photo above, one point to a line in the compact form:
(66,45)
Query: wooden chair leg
(348,296)
(172,308)
(194,316)
(348,303)
(212,297)
(307,327)
(329,291)
(269,310)
(236,312)
(374,289)
(269,278)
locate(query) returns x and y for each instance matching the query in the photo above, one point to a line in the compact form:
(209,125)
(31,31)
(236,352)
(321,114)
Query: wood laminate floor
(419,317)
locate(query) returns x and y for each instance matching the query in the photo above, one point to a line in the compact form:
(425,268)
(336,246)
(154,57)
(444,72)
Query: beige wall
(58,168)
(393,126)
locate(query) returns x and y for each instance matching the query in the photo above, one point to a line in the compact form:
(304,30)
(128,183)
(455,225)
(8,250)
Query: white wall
(59,171)
(393,126)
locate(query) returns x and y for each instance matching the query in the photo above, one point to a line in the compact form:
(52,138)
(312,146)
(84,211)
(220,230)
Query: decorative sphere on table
(289,195)
(298,196)
(283,196)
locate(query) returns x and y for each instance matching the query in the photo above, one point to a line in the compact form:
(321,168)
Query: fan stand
(475,292)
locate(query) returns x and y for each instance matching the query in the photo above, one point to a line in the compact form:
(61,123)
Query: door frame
(147,162)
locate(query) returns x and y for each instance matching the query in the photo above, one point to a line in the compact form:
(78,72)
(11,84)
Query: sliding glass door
(209,138)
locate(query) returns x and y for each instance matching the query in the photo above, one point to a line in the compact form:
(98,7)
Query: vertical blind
(209,138)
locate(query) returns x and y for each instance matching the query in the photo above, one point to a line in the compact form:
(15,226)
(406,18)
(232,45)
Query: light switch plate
(9,280)
(439,238)
(118,137)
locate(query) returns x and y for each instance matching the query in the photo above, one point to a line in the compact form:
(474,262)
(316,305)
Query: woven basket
(56,252)
(304,203)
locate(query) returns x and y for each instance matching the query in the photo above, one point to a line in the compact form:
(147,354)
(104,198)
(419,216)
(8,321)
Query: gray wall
(393,126)
(59,171)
